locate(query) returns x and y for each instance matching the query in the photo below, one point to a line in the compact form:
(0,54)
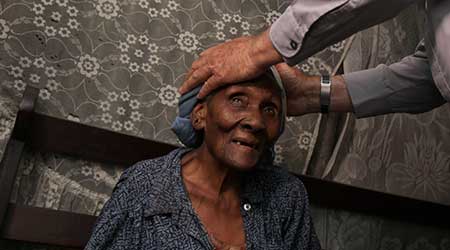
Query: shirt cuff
(287,35)
(287,32)
(368,93)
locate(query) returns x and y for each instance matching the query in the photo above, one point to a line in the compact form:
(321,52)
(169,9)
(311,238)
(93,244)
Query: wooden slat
(75,139)
(25,114)
(46,226)
(8,170)
(341,196)
(14,148)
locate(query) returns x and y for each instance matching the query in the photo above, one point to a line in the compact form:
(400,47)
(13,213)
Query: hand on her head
(235,61)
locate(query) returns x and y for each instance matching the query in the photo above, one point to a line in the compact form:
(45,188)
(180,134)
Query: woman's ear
(198,116)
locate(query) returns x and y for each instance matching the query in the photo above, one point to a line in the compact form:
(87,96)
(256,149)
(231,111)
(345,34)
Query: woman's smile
(247,143)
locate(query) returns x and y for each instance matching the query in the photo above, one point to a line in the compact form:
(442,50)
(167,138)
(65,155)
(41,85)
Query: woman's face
(241,122)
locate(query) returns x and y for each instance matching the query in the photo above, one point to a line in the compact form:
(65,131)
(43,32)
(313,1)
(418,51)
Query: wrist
(325,92)
(305,97)
(340,97)
(264,53)
(312,93)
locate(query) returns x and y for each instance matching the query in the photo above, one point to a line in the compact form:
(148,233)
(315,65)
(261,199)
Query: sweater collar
(170,196)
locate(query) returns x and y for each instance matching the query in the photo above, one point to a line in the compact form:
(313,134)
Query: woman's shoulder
(151,169)
(143,171)
(144,177)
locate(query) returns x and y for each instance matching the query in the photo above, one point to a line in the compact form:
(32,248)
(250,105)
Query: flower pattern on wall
(4,29)
(424,174)
(107,8)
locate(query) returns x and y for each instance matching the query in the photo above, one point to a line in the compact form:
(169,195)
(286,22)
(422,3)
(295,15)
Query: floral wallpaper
(399,153)
(8,110)
(117,65)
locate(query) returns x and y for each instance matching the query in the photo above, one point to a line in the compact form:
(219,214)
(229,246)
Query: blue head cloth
(182,125)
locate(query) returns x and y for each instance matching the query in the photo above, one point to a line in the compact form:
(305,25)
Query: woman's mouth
(246,143)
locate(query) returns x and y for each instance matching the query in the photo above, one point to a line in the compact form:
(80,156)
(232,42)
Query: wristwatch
(325,91)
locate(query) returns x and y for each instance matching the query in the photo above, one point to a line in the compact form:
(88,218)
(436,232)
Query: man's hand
(302,91)
(235,61)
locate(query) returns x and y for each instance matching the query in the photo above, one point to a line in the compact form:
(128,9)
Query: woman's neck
(206,176)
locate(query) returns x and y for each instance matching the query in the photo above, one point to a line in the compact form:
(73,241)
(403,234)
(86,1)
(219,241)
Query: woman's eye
(270,110)
(236,101)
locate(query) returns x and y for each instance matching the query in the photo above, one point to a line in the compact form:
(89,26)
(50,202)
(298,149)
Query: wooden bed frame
(52,227)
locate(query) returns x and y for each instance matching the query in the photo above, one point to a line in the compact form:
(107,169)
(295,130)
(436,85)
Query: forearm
(307,98)
(403,87)
(382,90)
(340,98)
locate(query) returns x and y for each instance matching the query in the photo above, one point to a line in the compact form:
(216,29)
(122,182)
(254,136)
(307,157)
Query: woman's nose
(253,121)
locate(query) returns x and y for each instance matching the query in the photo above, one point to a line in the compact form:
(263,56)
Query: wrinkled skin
(241,122)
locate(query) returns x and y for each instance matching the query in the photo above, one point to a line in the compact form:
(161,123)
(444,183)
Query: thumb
(288,73)
(283,68)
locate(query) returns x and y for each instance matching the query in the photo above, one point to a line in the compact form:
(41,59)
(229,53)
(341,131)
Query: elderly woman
(220,193)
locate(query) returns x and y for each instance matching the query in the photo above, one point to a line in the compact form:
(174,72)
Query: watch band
(325,91)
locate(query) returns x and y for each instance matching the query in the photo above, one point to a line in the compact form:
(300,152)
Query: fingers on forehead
(210,85)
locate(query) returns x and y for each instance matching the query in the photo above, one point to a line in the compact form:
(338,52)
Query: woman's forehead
(261,85)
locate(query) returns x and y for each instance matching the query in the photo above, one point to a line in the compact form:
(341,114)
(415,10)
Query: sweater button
(247,207)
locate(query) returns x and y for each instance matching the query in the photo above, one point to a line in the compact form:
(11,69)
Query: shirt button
(247,207)
(294,45)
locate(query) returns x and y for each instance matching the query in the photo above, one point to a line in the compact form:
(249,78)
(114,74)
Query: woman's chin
(243,158)
(243,163)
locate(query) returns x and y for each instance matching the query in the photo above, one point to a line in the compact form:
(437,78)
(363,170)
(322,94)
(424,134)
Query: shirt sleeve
(299,230)
(403,87)
(308,26)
